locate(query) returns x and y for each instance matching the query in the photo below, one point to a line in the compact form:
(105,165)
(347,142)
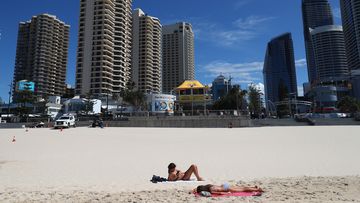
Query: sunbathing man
(175,175)
(225,189)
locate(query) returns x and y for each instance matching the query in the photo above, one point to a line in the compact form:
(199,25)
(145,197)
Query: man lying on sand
(225,189)
(175,175)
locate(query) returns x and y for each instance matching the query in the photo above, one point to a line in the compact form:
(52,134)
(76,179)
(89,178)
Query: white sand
(122,160)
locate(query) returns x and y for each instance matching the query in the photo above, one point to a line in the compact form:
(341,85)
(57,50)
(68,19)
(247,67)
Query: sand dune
(304,164)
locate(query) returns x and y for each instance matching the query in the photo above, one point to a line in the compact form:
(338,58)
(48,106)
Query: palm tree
(255,101)
(134,97)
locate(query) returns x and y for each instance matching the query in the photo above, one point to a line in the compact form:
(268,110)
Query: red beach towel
(235,194)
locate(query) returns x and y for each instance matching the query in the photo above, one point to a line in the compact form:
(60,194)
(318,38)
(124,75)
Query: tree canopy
(134,97)
(255,101)
(235,99)
(348,105)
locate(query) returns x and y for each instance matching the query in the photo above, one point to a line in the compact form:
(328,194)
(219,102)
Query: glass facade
(279,69)
(315,13)
(220,87)
(350,11)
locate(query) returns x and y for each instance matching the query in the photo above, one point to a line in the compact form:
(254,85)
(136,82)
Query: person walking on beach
(175,175)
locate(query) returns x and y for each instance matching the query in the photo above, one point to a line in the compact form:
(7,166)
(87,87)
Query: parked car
(65,121)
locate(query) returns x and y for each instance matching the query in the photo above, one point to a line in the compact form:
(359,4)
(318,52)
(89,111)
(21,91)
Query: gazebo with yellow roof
(192,92)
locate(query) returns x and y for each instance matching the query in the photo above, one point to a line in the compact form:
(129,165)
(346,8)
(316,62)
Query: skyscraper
(279,69)
(146,52)
(178,55)
(42,53)
(315,13)
(104,47)
(350,12)
(329,52)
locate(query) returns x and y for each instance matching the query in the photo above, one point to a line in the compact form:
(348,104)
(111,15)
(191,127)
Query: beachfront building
(329,52)
(146,52)
(350,13)
(41,55)
(178,55)
(331,62)
(104,47)
(324,99)
(192,97)
(220,87)
(279,71)
(316,13)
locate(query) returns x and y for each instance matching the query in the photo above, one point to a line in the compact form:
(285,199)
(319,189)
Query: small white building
(78,104)
(53,106)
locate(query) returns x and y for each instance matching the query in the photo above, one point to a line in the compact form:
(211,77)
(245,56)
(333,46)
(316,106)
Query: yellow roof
(191,84)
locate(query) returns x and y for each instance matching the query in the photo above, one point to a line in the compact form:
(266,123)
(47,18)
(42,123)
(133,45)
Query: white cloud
(260,86)
(241,30)
(240,3)
(300,63)
(232,37)
(240,72)
(251,22)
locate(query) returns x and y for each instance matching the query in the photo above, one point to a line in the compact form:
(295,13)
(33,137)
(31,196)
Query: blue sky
(230,37)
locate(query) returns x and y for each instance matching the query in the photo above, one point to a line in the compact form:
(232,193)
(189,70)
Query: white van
(65,121)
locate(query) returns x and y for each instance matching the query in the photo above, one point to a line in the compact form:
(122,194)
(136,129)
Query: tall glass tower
(316,13)
(279,69)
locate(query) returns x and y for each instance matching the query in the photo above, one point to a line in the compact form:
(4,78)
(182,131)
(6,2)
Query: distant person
(225,189)
(175,175)
(101,123)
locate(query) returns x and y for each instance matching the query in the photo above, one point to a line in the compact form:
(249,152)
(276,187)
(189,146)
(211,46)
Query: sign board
(25,85)
(161,103)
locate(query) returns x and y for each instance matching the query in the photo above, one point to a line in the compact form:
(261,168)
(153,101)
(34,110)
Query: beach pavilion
(192,97)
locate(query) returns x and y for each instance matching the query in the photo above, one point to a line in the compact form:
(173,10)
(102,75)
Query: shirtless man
(175,175)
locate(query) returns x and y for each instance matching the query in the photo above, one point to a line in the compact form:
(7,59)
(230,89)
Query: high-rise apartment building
(316,13)
(104,47)
(42,53)
(350,12)
(178,55)
(279,69)
(146,52)
(329,52)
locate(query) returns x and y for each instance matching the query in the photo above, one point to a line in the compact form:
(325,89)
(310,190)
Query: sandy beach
(293,164)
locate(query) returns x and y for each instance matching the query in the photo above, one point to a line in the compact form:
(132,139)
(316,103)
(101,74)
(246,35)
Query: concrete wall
(182,122)
(201,122)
